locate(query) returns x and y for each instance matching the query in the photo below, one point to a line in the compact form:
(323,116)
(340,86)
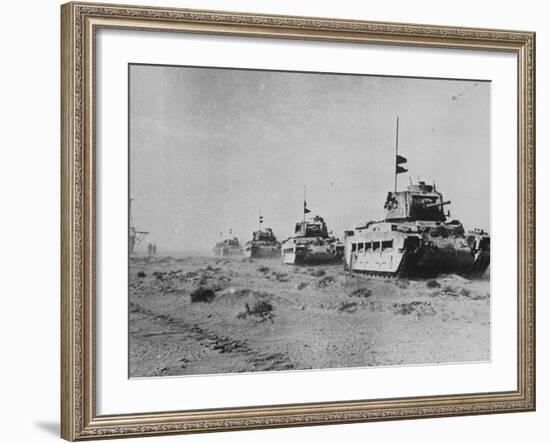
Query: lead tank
(312,244)
(416,239)
(264,244)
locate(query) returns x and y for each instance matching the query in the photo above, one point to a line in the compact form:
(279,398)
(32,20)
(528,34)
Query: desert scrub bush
(448,289)
(402,284)
(280,276)
(202,294)
(318,273)
(433,284)
(325,281)
(347,306)
(259,307)
(420,308)
(360,292)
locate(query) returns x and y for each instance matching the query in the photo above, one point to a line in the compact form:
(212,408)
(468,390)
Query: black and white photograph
(302,220)
(289,220)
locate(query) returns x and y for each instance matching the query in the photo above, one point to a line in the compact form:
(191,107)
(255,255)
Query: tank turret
(265,235)
(418,202)
(315,227)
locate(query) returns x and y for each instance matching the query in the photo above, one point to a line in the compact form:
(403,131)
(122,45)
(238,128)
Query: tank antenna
(396,153)
(305,205)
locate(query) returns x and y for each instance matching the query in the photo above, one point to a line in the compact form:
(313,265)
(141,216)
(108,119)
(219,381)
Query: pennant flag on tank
(399,160)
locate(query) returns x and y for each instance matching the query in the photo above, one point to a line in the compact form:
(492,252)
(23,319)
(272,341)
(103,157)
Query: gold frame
(79,21)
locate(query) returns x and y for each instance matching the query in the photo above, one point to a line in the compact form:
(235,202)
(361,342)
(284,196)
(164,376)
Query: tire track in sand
(257,361)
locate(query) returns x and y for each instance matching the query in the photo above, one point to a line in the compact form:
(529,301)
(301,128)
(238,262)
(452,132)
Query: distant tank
(227,247)
(264,244)
(415,239)
(312,244)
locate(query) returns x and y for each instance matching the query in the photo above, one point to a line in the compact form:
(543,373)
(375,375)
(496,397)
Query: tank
(312,244)
(416,239)
(264,244)
(229,246)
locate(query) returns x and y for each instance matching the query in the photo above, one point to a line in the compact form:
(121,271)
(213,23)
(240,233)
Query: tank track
(377,274)
(480,265)
(406,268)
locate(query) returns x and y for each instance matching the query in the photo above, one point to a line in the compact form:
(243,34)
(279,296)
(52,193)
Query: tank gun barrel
(433,205)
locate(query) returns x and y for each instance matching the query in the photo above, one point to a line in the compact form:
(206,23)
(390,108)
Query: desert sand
(207,315)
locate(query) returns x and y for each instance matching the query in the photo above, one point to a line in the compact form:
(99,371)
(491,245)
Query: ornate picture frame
(80,22)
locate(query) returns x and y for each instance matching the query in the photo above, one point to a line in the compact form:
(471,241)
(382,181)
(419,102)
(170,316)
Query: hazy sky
(209,147)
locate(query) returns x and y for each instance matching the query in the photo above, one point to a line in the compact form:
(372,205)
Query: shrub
(347,306)
(325,281)
(280,276)
(202,294)
(360,292)
(259,307)
(433,284)
(318,273)
(402,284)
(420,308)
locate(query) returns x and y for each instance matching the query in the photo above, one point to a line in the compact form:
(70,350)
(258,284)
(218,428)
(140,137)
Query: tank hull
(383,250)
(262,251)
(228,252)
(311,251)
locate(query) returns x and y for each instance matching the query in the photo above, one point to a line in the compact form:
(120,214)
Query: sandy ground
(261,315)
